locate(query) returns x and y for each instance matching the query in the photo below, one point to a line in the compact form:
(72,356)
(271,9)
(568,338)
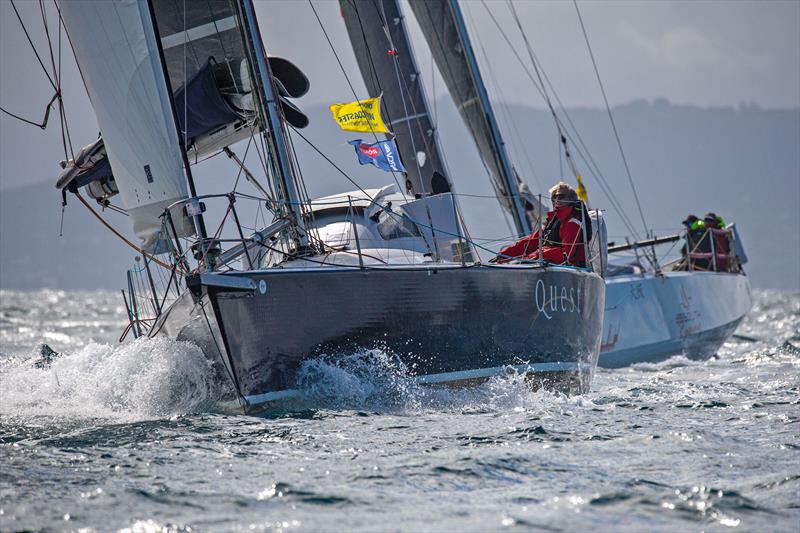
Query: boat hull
(445,325)
(651,318)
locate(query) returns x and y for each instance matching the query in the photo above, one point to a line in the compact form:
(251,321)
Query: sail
(205,60)
(116,51)
(452,52)
(380,42)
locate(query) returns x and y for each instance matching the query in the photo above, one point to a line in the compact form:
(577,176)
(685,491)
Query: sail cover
(116,50)
(437,21)
(380,42)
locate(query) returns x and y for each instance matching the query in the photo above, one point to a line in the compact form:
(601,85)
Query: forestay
(116,50)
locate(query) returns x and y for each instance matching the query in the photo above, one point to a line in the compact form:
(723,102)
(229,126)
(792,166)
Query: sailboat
(656,311)
(391,268)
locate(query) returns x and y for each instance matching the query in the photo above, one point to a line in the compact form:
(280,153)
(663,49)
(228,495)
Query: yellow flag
(581,190)
(363,116)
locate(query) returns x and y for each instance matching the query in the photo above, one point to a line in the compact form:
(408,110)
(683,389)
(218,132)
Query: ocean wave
(141,379)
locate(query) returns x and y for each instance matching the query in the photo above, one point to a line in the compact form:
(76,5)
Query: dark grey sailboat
(386,268)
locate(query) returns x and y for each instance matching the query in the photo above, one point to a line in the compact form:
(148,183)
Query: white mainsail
(116,49)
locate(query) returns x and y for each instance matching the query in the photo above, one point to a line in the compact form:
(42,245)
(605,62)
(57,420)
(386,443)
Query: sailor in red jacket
(562,235)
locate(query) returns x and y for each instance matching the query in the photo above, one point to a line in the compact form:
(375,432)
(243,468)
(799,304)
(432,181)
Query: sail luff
(520,220)
(199,221)
(443,26)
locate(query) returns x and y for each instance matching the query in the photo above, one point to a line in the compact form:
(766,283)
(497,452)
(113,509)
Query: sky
(704,53)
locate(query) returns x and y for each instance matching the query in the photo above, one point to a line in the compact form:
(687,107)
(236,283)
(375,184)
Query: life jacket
(551,233)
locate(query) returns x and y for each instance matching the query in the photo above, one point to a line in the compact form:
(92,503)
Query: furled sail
(381,46)
(442,25)
(116,50)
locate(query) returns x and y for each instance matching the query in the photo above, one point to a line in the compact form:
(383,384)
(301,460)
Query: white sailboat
(656,311)
(394,268)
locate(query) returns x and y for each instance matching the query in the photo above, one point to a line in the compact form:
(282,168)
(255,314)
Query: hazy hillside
(743,163)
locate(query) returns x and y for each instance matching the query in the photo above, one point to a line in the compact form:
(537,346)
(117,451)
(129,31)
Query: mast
(518,211)
(198,218)
(275,132)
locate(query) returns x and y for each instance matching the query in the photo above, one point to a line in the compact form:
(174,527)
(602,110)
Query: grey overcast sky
(705,53)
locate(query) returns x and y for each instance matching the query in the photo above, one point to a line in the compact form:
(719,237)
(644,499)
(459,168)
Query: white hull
(650,318)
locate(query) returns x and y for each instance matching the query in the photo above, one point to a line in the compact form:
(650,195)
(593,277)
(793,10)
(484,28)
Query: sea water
(124,437)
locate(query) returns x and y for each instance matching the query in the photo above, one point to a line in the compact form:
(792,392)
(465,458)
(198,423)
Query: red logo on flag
(369,151)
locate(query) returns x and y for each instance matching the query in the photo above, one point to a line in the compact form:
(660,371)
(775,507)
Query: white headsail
(116,49)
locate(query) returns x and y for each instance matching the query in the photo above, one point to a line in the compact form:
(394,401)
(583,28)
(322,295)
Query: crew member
(695,228)
(562,235)
(720,238)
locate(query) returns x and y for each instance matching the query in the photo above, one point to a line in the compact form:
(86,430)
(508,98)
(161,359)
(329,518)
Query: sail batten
(198,32)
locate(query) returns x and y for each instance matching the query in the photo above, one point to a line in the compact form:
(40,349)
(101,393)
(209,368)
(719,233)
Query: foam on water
(141,379)
(373,380)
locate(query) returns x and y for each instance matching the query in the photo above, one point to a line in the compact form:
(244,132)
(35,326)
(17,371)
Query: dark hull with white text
(445,324)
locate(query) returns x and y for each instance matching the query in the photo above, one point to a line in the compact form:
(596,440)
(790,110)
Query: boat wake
(148,378)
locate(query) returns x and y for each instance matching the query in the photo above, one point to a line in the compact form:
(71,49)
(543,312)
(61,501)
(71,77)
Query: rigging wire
(118,234)
(54,79)
(43,124)
(565,154)
(241,167)
(581,148)
(312,232)
(38,58)
(507,115)
(452,75)
(334,165)
(610,115)
(62,111)
(49,48)
(562,154)
(62,108)
(534,63)
(429,138)
(402,86)
(66,140)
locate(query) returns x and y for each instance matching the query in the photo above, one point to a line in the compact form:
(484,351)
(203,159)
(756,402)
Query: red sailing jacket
(562,242)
